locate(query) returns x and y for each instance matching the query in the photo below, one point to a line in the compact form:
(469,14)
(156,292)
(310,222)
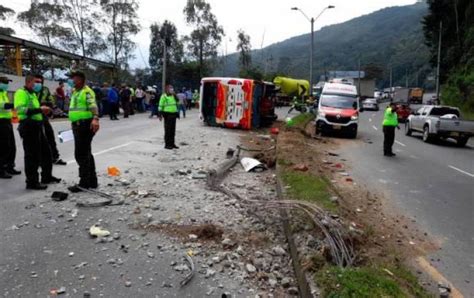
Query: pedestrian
(153,103)
(196,98)
(104,102)
(60,96)
(390,122)
(140,99)
(189,98)
(113,102)
(132,100)
(84,117)
(98,97)
(168,109)
(181,103)
(37,152)
(125,97)
(46,99)
(7,138)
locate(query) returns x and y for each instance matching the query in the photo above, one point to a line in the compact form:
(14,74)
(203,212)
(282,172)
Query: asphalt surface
(432,183)
(45,246)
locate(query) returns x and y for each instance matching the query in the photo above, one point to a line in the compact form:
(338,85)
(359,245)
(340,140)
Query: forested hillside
(388,37)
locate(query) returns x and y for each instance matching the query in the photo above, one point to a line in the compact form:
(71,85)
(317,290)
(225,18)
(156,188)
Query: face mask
(3,87)
(70,83)
(37,87)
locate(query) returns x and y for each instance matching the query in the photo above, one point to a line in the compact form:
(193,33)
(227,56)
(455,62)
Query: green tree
(457,17)
(244,48)
(207,34)
(457,51)
(121,21)
(161,33)
(373,71)
(83,17)
(6,12)
(44,18)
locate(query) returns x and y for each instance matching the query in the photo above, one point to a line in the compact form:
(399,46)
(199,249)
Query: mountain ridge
(390,36)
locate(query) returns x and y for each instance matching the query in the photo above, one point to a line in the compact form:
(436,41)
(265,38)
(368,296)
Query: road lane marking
(436,275)
(103,151)
(375,127)
(400,143)
(370,119)
(461,171)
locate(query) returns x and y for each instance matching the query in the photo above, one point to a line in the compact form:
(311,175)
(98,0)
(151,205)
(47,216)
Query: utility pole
(406,77)
(163,77)
(391,83)
(311,59)
(312,20)
(439,61)
(358,82)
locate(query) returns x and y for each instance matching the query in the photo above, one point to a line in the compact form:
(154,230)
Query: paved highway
(433,183)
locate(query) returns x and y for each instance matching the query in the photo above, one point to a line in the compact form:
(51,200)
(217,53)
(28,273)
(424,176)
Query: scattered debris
(252,165)
(113,171)
(300,167)
(96,231)
(188,277)
(59,196)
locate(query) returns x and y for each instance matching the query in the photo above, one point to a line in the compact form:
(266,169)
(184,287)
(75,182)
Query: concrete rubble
(140,242)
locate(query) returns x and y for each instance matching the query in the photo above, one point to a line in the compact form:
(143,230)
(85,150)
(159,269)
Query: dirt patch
(204,232)
(380,236)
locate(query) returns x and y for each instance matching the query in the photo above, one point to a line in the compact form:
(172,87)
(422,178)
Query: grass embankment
(301,120)
(376,277)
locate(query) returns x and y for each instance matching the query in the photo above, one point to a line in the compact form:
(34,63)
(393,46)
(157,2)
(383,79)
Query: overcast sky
(266,21)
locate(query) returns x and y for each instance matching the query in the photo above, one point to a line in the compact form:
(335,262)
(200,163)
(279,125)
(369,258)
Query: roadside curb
(303,285)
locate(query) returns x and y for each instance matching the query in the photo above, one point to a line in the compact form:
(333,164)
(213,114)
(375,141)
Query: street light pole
(439,61)
(311,58)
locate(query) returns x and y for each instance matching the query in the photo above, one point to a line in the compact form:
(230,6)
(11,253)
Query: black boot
(5,175)
(49,180)
(36,186)
(12,171)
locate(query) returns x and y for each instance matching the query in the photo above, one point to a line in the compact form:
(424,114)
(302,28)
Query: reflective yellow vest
(81,103)
(390,118)
(4,114)
(168,104)
(24,100)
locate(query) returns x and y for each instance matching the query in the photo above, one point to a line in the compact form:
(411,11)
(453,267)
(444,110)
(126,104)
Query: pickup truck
(440,122)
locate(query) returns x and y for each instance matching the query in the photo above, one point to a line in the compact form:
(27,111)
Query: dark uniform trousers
(7,145)
(49,132)
(170,128)
(126,108)
(83,136)
(389,139)
(37,151)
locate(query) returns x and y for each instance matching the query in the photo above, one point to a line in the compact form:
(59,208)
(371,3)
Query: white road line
(400,143)
(375,127)
(461,171)
(370,119)
(103,151)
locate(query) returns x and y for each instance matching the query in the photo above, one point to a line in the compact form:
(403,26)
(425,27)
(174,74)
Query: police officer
(7,138)
(390,122)
(84,117)
(35,144)
(168,109)
(46,99)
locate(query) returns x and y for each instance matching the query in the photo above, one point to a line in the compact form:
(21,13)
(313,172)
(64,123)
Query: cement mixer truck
(288,88)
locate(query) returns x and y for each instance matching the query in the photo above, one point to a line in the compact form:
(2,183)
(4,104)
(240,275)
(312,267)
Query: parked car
(370,104)
(440,122)
(403,112)
(338,109)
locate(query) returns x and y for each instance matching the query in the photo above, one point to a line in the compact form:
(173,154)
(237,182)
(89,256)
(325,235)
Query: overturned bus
(237,103)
